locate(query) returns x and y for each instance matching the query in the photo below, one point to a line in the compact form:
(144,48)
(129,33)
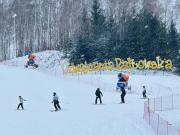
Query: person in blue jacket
(121,84)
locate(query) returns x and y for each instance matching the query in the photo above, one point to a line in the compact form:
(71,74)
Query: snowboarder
(56,102)
(98,94)
(21,100)
(121,84)
(144,92)
(31,61)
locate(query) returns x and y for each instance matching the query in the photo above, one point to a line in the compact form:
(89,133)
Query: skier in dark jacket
(21,100)
(121,85)
(56,102)
(144,92)
(98,94)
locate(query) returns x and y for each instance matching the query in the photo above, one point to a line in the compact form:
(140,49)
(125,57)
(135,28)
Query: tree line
(86,31)
(139,35)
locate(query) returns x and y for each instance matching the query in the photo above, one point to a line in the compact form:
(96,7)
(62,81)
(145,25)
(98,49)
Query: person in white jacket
(21,100)
(56,102)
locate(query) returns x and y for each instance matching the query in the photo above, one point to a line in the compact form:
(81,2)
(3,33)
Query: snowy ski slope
(78,116)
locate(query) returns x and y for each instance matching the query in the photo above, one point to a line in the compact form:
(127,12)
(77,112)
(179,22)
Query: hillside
(76,93)
(48,61)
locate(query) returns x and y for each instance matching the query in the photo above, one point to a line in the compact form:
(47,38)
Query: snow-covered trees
(144,35)
(87,30)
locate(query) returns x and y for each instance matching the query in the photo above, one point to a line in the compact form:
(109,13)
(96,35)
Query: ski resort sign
(118,64)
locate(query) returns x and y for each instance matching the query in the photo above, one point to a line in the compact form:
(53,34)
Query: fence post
(154,104)
(167,128)
(172,102)
(161,103)
(158,125)
(148,111)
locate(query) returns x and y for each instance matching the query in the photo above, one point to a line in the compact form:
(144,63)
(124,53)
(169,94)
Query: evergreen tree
(91,42)
(150,34)
(106,43)
(178,56)
(162,41)
(97,19)
(98,29)
(145,36)
(67,48)
(82,50)
(112,37)
(85,27)
(132,39)
(172,42)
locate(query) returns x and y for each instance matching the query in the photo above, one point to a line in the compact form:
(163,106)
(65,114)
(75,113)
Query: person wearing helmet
(21,100)
(144,92)
(56,102)
(121,84)
(98,94)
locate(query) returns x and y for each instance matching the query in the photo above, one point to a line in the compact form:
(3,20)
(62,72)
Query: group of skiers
(55,102)
(121,84)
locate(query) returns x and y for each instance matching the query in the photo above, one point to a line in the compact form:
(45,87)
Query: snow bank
(48,61)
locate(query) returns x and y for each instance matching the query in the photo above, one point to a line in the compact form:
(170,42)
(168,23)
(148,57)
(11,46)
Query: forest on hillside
(88,30)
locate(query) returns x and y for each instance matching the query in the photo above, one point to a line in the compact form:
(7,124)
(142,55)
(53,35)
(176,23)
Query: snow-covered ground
(172,116)
(78,116)
(48,61)
(156,85)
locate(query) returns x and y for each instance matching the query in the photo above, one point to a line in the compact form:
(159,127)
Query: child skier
(21,100)
(56,102)
(98,94)
(144,92)
(121,84)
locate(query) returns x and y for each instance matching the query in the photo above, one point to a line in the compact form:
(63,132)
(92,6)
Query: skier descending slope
(121,84)
(56,102)
(21,100)
(144,92)
(98,94)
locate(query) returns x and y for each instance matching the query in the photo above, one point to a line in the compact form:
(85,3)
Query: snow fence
(161,126)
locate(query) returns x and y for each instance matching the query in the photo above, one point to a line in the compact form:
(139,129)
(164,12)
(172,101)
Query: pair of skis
(50,110)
